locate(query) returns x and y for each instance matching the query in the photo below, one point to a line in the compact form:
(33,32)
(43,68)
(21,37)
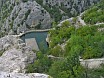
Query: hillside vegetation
(67,43)
(62,9)
(18,16)
(95,14)
(86,42)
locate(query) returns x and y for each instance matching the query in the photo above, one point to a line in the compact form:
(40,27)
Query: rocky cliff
(15,56)
(66,8)
(21,75)
(78,5)
(18,16)
(21,15)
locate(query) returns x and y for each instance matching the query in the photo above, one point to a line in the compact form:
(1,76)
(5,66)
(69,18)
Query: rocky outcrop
(31,13)
(7,42)
(16,55)
(21,75)
(11,41)
(92,63)
(22,16)
(72,5)
(15,60)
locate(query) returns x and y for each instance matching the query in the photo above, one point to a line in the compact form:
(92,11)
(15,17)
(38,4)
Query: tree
(67,68)
(57,51)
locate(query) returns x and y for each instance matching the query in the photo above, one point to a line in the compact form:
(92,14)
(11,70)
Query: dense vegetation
(86,42)
(96,73)
(24,0)
(68,43)
(65,68)
(57,12)
(40,65)
(54,11)
(95,14)
(1,52)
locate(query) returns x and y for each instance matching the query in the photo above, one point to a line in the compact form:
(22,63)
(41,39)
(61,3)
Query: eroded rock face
(21,75)
(16,55)
(31,14)
(72,5)
(7,41)
(22,16)
(15,60)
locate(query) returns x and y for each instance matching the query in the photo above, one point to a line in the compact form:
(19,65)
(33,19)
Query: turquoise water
(40,38)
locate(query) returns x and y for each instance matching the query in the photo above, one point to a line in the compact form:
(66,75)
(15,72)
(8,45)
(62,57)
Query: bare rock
(16,54)
(21,75)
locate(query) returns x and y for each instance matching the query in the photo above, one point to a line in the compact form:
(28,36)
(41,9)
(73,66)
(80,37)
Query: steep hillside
(61,9)
(14,57)
(70,43)
(18,16)
(95,14)
(21,15)
(76,45)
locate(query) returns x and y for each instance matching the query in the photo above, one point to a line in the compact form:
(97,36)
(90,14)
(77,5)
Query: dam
(36,39)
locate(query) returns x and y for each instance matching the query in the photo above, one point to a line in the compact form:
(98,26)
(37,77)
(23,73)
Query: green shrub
(24,0)
(1,52)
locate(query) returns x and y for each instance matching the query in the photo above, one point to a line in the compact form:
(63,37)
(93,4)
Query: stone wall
(92,63)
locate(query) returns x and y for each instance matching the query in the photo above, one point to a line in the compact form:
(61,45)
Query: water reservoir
(40,38)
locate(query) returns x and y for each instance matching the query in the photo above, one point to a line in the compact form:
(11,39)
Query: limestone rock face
(16,54)
(7,42)
(31,13)
(22,16)
(67,8)
(73,5)
(21,75)
(13,61)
